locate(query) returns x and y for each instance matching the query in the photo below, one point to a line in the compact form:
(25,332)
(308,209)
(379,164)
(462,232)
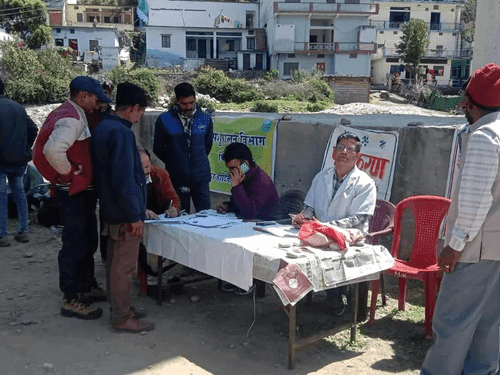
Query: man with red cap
(466,321)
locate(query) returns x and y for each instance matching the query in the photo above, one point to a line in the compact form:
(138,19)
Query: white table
(239,253)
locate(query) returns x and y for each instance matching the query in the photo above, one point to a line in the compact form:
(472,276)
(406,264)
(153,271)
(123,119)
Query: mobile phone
(244,168)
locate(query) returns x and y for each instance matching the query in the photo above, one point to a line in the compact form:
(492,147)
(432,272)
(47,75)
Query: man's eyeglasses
(341,148)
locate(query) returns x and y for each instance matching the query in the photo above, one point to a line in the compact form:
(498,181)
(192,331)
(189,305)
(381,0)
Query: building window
(438,71)
(191,44)
(165,41)
(230,44)
(292,1)
(381,32)
(440,34)
(395,32)
(352,1)
(76,7)
(330,1)
(93,44)
(353,55)
(90,18)
(59,42)
(79,17)
(249,20)
(107,19)
(289,68)
(321,56)
(250,43)
(436,6)
(58,30)
(71,31)
(380,45)
(291,55)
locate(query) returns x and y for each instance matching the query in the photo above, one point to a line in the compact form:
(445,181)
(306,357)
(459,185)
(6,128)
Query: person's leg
(459,309)
(124,251)
(74,242)
(335,301)
(17,187)
(483,356)
(86,267)
(201,197)
(4,210)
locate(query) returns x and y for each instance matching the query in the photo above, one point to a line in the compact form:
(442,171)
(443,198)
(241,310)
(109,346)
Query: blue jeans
(200,195)
(15,176)
(79,242)
(466,322)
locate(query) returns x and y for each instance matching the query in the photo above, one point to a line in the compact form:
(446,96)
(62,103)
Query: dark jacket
(119,175)
(186,167)
(17,134)
(256,197)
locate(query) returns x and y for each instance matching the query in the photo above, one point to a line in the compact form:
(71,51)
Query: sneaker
(228,287)
(339,309)
(22,237)
(4,242)
(76,309)
(243,292)
(133,326)
(95,294)
(138,313)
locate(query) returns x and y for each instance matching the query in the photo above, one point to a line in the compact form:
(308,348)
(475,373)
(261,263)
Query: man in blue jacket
(121,188)
(17,135)
(183,140)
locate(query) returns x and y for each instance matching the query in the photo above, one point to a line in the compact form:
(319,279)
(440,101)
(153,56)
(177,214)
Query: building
(487,34)
(193,33)
(333,36)
(446,62)
(94,32)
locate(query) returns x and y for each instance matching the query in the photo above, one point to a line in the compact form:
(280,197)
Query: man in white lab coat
(343,196)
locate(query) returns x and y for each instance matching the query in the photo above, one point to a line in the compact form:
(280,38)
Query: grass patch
(342,340)
(281,106)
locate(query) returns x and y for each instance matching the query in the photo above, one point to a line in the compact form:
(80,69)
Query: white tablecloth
(239,253)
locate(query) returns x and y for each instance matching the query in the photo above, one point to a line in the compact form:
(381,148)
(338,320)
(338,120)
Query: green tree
(26,18)
(413,44)
(468,17)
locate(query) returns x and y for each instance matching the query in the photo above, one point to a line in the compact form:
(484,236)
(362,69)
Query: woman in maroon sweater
(253,194)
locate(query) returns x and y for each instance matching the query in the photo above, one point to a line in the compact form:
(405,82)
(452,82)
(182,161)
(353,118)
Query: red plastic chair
(381,224)
(428,213)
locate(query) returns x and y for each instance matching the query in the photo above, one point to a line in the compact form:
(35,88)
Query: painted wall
(347,65)
(200,13)
(487,35)
(159,56)
(105,37)
(424,151)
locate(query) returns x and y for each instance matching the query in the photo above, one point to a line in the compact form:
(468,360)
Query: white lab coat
(356,195)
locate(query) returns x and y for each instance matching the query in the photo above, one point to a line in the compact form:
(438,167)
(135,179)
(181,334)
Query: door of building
(258,62)
(246,61)
(435,21)
(202,48)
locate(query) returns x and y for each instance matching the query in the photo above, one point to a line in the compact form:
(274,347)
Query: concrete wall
(423,157)
(487,34)
(350,89)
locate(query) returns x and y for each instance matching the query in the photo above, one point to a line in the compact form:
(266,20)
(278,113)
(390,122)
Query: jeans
(466,322)
(80,239)
(200,195)
(15,176)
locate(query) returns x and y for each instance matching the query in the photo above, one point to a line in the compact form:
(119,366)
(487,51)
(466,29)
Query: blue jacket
(17,134)
(170,146)
(119,175)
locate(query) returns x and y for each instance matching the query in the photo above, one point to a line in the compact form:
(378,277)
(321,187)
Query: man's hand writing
(172,212)
(448,259)
(222,208)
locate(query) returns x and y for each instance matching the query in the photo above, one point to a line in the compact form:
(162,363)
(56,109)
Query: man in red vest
(62,155)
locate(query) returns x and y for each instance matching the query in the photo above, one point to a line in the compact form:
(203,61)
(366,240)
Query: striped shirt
(478,176)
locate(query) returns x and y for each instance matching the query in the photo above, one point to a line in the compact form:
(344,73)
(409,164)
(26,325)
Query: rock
(195,299)
(49,367)
(152,345)
(172,300)
(28,254)
(345,121)
(384,95)
(144,333)
(16,267)
(21,294)
(231,346)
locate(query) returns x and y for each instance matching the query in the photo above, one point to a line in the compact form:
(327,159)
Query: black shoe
(153,292)
(340,307)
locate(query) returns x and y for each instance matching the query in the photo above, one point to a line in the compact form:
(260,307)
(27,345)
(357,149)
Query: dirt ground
(215,335)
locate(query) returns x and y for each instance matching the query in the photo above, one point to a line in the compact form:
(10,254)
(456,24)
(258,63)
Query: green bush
(205,103)
(271,75)
(36,76)
(263,106)
(142,77)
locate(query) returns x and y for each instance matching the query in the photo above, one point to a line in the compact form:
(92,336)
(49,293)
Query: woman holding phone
(253,194)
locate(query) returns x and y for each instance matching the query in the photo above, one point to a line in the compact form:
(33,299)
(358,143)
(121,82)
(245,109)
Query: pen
(169,207)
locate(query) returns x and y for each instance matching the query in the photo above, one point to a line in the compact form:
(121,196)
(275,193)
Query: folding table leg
(355,312)
(292,329)
(160,280)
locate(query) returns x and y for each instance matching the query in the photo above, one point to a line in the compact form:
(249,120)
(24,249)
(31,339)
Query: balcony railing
(436,53)
(441,26)
(338,47)
(325,8)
